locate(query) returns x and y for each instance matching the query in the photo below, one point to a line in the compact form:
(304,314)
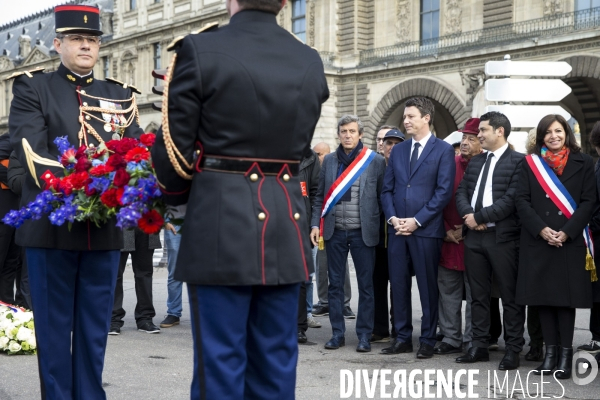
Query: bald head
(322,149)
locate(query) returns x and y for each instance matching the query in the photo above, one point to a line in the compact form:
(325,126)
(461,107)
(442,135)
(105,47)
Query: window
(132,4)
(105,67)
(581,5)
(430,21)
(299,18)
(586,13)
(156,58)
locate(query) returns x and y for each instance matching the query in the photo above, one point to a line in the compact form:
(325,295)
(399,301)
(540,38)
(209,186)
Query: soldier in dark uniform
(247,96)
(72,273)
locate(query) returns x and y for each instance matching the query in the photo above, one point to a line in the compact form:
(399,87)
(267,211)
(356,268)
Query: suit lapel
(424,154)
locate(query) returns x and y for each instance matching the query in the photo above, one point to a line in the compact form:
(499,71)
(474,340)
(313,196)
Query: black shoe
(302,336)
(320,311)
(398,347)
(493,346)
(510,361)
(425,351)
(148,327)
(335,343)
(446,348)
(535,354)
(593,347)
(550,360)
(565,363)
(473,355)
(348,314)
(169,321)
(363,346)
(114,330)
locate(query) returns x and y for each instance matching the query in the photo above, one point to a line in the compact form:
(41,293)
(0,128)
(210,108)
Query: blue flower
(100,184)
(62,143)
(128,216)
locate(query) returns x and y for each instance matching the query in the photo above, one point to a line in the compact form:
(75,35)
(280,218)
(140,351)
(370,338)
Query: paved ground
(139,365)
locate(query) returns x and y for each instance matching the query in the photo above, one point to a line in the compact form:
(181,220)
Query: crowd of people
(488,223)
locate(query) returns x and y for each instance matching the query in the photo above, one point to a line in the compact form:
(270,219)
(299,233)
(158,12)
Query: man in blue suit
(417,186)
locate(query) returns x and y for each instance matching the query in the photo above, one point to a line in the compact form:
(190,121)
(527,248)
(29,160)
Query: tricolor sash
(560,196)
(343,183)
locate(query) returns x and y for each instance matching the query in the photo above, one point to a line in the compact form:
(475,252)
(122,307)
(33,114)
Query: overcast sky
(11,10)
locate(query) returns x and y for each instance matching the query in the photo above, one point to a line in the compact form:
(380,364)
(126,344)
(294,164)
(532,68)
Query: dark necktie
(415,157)
(486,170)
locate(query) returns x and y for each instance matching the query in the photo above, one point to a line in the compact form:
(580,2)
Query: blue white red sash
(344,182)
(13,308)
(558,193)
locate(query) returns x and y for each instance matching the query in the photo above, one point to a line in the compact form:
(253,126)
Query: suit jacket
(245,90)
(425,192)
(370,184)
(549,275)
(504,186)
(44,107)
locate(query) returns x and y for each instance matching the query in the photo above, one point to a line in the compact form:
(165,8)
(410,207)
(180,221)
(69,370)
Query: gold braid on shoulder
(172,151)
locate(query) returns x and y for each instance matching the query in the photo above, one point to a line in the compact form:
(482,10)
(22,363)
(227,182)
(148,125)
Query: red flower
(101,170)
(89,192)
(148,139)
(116,161)
(151,222)
(66,186)
(121,178)
(79,180)
(81,152)
(83,164)
(122,146)
(138,154)
(99,153)
(120,192)
(109,198)
(68,157)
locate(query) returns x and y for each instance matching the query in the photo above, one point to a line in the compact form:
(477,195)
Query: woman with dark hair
(593,347)
(555,199)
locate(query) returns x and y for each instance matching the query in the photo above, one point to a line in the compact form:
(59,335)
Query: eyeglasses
(79,39)
(380,140)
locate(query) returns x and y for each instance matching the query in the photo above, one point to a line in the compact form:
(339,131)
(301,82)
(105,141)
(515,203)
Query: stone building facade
(377,53)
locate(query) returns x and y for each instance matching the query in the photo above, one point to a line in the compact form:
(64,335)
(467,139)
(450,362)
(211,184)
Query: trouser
(558,325)
(174,287)
(364,260)
(534,327)
(483,256)
(10,261)
(451,284)
(141,261)
(421,256)
(381,279)
(302,313)
(323,280)
(24,289)
(245,342)
(72,293)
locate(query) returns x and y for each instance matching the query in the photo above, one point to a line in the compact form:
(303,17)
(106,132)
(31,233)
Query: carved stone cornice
(453,17)
(403,21)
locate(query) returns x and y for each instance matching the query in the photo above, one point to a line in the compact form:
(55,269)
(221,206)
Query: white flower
(10,331)
(3,342)
(23,334)
(23,317)
(5,323)
(31,341)
(14,347)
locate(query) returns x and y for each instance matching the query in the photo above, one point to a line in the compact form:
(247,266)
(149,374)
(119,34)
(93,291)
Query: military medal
(107,127)
(116,136)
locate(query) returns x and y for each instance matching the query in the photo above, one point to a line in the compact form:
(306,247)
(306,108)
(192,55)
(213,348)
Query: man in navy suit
(417,186)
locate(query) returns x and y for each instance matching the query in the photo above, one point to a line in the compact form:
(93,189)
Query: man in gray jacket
(351,222)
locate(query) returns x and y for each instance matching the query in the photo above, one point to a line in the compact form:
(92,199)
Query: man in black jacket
(486,200)
(309,183)
(247,96)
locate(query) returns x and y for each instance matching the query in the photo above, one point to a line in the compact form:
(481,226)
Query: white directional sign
(506,89)
(527,116)
(527,68)
(546,90)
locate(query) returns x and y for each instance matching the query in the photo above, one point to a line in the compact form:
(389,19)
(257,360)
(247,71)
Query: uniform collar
(252,16)
(74,78)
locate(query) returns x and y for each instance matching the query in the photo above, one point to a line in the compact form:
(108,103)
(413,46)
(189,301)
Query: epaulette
(28,73)
(176,43)
(125,85)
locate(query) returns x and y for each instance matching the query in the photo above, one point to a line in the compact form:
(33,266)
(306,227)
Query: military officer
(72,272)
(247,96)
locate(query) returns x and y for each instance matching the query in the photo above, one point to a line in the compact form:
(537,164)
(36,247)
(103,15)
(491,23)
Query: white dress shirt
(488,199)
(422,142)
